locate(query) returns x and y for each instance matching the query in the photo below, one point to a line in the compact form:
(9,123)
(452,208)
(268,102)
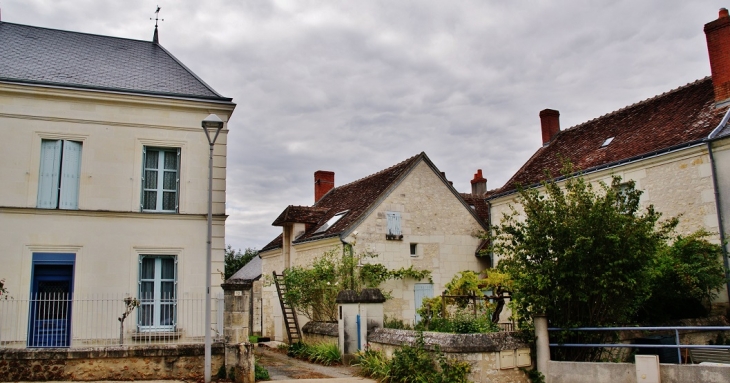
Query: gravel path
(282,367)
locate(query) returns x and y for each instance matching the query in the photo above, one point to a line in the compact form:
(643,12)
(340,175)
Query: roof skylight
(330,222)
(608,141)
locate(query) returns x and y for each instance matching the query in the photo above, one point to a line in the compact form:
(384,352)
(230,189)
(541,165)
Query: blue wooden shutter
(393,223)
(421,290)
(48,180)
(70,175)
(177,185)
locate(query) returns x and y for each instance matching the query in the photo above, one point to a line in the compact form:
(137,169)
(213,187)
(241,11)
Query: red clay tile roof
(681,116)
(479,204)
(355,197)
(300,214)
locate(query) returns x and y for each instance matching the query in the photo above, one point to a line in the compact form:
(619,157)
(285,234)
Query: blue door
(422,290)
(50,304)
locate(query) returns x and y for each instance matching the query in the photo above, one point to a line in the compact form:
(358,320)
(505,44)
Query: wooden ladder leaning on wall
(290,315)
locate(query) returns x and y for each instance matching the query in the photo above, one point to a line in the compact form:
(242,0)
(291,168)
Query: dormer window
(330,222)
(607,142)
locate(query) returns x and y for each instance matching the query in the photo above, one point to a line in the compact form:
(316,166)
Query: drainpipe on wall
(718,208)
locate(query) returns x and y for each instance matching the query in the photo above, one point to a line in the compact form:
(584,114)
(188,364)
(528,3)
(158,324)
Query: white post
(542,343)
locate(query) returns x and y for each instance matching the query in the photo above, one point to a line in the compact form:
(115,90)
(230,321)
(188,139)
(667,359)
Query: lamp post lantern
(210,124)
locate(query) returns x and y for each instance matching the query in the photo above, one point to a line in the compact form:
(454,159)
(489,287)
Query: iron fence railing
(72,320)
(675,329)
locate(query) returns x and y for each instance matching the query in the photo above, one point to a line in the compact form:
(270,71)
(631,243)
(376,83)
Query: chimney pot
(478,184)
(717,34)
(324,181)
(550,124)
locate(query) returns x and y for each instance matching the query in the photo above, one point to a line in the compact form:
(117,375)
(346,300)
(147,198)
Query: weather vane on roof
(155,38)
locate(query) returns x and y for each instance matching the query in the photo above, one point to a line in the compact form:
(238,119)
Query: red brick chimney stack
(550,124)
(718,47)
(478,184)
(324,181)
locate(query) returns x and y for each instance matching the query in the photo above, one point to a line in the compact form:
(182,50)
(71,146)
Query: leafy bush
(460,323)
(260,372)
(313,289)
(396,324)
(322,353)
(413,364)
(687,277)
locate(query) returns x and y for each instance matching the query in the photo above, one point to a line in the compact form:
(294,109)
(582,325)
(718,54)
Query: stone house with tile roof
(104,168)
(408,214)
(672,145)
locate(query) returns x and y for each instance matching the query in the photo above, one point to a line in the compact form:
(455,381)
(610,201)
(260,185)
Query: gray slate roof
(34,55)
(250,272)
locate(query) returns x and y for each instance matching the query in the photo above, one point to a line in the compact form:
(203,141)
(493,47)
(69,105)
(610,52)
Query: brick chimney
(478,184)
(718,46)
(550,124)
(324,181)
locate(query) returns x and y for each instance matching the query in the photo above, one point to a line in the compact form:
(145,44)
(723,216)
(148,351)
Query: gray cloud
(355,87)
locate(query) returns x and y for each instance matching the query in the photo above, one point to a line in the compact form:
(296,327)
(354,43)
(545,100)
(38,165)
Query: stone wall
(320,332)
(180,362)
(488,354)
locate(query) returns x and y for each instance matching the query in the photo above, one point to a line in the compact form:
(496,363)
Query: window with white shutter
(60,172)
(394,227)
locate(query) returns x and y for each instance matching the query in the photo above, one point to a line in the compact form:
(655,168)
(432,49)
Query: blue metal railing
(676,330)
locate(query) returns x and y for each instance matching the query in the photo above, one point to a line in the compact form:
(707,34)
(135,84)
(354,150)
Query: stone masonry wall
(182,362)
(481,351)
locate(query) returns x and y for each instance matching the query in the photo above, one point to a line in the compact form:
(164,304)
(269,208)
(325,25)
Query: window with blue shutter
(59,175)
(394,227)
(160,179)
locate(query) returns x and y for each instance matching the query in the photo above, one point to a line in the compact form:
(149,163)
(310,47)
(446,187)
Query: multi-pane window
(157,293)
(160,179)
(58,183)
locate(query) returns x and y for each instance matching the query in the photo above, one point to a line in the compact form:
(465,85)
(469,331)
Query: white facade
(100,228)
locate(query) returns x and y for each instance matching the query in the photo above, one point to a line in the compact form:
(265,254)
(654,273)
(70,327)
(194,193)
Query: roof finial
(155,38)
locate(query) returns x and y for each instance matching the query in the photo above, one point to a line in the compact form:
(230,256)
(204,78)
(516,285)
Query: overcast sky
(357,86)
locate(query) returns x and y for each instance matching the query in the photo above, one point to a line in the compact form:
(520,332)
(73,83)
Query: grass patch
(321,353)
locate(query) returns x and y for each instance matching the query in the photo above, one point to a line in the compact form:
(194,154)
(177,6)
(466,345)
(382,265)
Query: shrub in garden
(413,364)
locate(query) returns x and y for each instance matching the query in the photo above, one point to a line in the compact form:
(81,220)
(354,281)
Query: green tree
(235,260)
(688,276)
(580,254)
(313,289)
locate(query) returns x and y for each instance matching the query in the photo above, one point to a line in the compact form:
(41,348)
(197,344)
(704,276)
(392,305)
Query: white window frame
(157,302)
(159,187)
(59,174)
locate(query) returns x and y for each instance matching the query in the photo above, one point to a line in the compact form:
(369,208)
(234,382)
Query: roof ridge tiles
(638,103)
(383,171)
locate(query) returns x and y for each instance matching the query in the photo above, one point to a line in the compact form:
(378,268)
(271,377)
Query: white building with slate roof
(104,170)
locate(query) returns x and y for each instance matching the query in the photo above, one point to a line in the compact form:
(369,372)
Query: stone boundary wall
(486,353)
(178,362)
(320,332)
(576,372)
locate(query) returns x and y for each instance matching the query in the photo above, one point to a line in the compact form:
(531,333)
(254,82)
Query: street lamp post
(210,124)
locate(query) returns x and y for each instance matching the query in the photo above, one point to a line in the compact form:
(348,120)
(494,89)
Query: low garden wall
(495,357)
(320,332)
(179,362)
(576,372)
